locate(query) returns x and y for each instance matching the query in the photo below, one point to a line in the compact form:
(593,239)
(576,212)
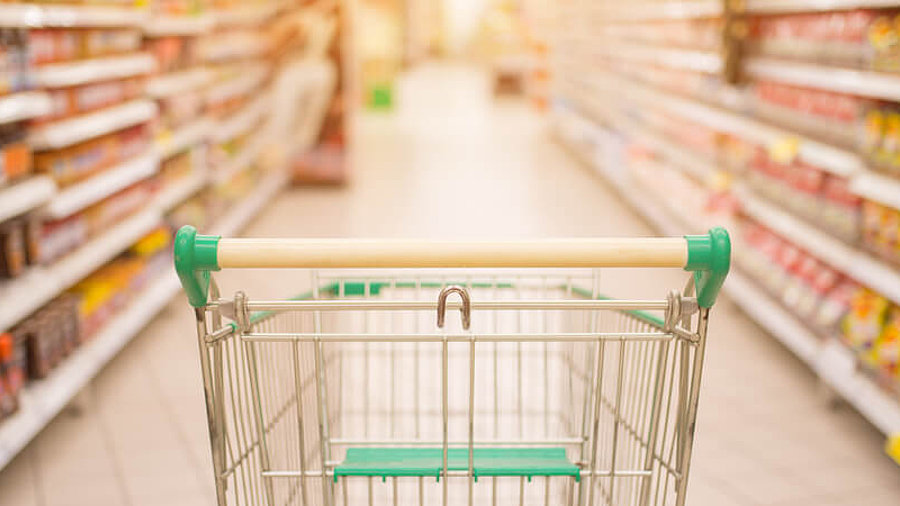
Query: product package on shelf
(862,38)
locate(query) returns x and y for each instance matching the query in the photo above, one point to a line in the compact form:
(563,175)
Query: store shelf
(657,11)
(42,400)
(267,189)
(23,105)
(240,162)
(184,138)
(828,358)
(249,79)
(59,75)
(835,160)
(81,128)
(177,83)
(882,189)
(26,294)
(169,26)
(855,82)
(685,59)
(23,15)
(248,15)
(232,46)
(785,6)
(242,121)
(24,196)
(855,263)
(79,196)
(179,191)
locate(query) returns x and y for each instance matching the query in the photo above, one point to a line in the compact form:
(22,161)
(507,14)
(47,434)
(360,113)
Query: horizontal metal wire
(454,474)
(409,305)
(272,337)
(459,442)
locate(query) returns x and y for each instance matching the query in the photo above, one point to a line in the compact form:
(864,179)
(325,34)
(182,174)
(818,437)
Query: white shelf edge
(268,187)
(24,105)
(880,188)
(26,195)
(26,294)
(181,190)
(786,6)
(240,162)
(59,75)
(249,79)
(79,196)
(20,15)
(164,26)
(663,10)
(242,121)
(687,59)
(42,400)
(81,128)
(248,15)
(184,138)
(855,263)
(855,82)
(178,82)
(835,160)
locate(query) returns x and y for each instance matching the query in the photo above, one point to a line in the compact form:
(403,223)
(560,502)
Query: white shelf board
(26,195)
(833,159)
(178,192)
(87,126)
(240,162)
(827,357)
(249,79)
(42,400)
(232,46)
(242,121)
(855,82)
(247,15)
(697,61)
(166,26)
(857,264)
(184,138)
(23,15)
(658,11)
(26,294)
(240,215)
(782,6)
(880,188)
(178,82)
(23,105)
(94,189)
(59,75)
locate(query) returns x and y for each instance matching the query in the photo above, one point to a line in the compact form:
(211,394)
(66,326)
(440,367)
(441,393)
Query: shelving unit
(600,102)
(44,399)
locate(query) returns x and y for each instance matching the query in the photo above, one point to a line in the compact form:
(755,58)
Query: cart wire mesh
(352,394)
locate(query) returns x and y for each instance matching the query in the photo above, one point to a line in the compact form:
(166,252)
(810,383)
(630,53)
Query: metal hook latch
(465,310)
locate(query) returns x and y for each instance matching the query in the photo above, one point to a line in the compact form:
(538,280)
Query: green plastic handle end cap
(709,258)
(195,257)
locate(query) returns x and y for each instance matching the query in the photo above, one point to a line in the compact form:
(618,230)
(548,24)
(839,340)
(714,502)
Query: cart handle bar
(708,256)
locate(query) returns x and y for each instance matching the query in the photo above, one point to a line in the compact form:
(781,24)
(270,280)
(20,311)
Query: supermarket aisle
(452,163)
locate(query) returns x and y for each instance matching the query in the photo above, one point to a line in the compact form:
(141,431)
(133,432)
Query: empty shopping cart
(417,372)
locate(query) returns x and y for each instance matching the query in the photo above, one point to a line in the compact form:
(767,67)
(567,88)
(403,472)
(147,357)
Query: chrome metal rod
(274,337)
(457,442)
(413,305)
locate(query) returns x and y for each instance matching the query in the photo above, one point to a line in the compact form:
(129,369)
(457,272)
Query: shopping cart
(542,392)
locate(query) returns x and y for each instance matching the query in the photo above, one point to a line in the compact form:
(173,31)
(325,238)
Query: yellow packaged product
(864,322)
(886,352)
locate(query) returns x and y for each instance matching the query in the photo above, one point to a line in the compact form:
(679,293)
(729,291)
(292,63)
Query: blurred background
(121,120)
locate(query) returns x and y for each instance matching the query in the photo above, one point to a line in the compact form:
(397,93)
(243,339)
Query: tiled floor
(450,162)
